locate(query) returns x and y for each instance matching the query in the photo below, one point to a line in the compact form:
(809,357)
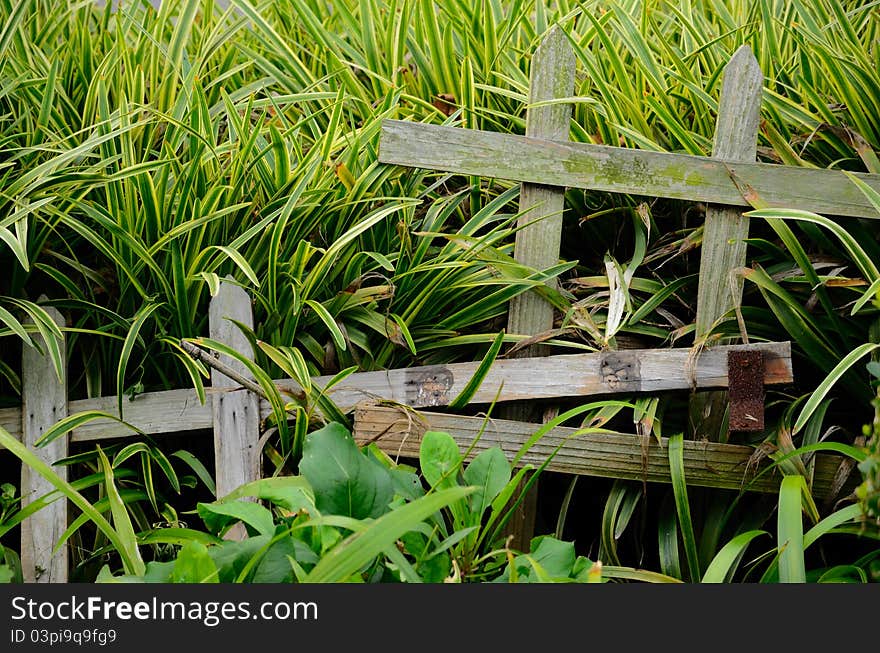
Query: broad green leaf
(345,481)
(273,565)
(292,493)
(217,516)
(231,557)
(554,556)
(358,549)
(193,565)
(439,459)
(489,472)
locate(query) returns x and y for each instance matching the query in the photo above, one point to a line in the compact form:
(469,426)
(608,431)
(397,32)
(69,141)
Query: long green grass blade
(132,564)
(790,531)
(682,507)
(724,564)
(828,382)
(127,347)
(71,422)
(641,575)
(462,398)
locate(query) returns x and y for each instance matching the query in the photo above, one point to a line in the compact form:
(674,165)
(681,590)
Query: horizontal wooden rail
(622,170)
(606,455)
(168,411)
(567,375)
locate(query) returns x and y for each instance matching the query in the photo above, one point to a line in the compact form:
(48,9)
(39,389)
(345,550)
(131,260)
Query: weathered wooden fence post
(236,412)
(551,77)
(725,231)
(44,397)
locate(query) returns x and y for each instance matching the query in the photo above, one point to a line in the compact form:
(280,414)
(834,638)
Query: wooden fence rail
(619,170)
(571,451)
(234,414)
(515,379)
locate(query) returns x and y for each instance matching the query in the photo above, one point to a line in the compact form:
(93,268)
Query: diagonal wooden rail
(600,454)
(622,170)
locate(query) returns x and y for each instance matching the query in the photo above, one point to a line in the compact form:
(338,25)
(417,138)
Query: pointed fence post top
(51,311)
(232,304)
(739,107)
(743,57)
(554,38)
(551,77)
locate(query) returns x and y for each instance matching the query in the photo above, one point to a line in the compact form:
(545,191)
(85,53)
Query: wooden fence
(545,162)
(235,415)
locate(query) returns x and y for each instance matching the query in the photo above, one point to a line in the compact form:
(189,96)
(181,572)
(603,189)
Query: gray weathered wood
(549,377)
(537,244)
(44,398)
(622,170)
(726,229)
(154,413)
(236,414)
(540,207)
(606,455)
(568,375)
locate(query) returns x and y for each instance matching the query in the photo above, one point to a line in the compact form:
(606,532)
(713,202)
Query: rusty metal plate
(745,375)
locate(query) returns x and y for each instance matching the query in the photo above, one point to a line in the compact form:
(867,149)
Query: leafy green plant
(550,561)
(339,521)
(10,566)
(868,491)
(470,528)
